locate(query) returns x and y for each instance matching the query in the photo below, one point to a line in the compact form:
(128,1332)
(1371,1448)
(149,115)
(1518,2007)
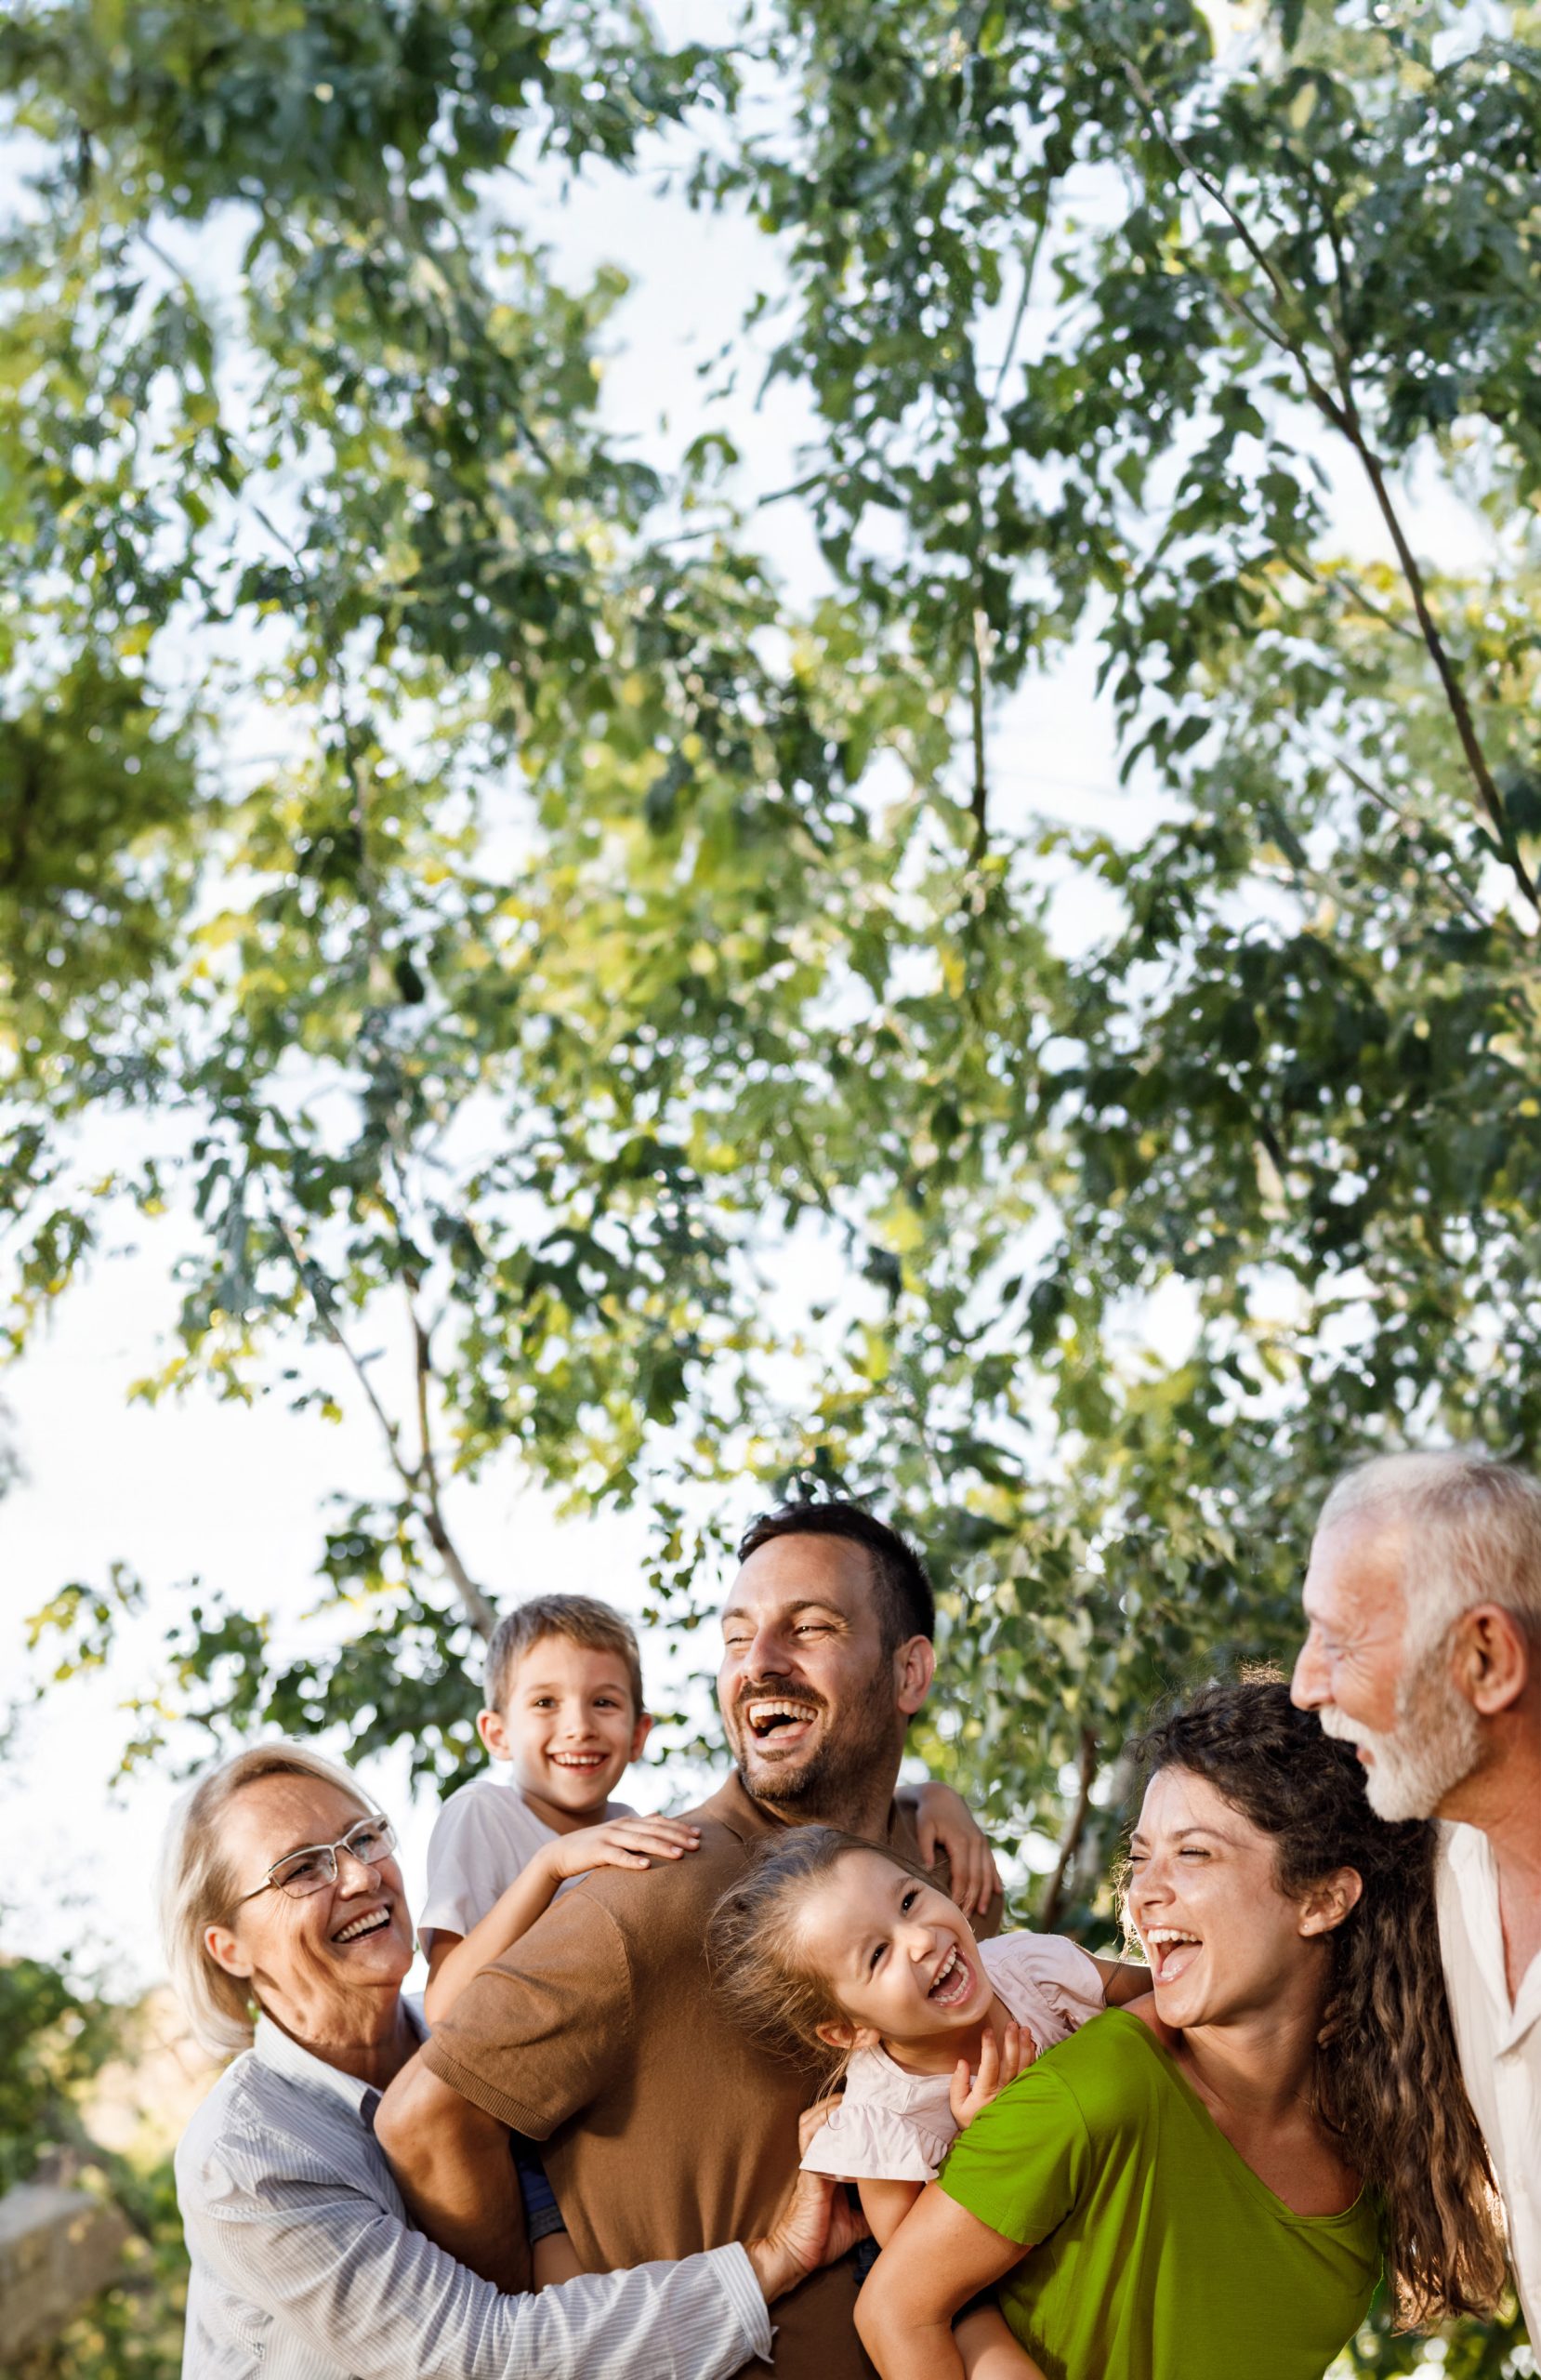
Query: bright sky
(235,1496)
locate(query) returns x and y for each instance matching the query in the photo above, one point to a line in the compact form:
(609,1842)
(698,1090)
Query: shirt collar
(285,2055)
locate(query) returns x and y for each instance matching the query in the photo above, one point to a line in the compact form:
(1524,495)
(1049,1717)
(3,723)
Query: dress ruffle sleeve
(870,2143)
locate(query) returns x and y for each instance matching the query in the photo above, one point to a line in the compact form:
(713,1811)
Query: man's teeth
(578,1759)
(368,1924)
(763,1716)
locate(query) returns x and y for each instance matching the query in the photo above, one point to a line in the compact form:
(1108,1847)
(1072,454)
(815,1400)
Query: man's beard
(836,1777)
(1434,1747)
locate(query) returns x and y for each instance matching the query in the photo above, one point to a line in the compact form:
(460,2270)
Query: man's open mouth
(952,1982)
(774,1720)
(370,1921)
(1171,1951)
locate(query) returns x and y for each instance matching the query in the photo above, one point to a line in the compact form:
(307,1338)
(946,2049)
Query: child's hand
(620,1843)
(945,1823)
(969,2092)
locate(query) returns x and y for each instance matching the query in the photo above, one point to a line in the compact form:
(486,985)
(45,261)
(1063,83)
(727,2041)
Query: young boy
(564,1719)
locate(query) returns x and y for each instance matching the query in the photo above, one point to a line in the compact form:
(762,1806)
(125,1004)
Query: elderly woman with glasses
(289,1935)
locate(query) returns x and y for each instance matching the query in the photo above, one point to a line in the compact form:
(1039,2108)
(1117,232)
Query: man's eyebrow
(803,1603)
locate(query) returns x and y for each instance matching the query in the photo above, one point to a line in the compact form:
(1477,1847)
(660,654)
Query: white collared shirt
(1499,2041)
(306,2268)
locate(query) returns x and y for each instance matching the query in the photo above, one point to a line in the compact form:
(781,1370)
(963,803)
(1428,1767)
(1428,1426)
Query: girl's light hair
(756,1952)
(198,1888)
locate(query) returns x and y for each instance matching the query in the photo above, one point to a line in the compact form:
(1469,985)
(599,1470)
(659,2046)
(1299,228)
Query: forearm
(453,2169)
(989,2348)
(1122,1980)
(508,1920)
(365,2294)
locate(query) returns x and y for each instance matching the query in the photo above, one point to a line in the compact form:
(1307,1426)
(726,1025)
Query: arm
(453,2169)
(904,2312)
(945,1827)
(618,1842)
(331,2266)
(988,2349)
(1122,1980)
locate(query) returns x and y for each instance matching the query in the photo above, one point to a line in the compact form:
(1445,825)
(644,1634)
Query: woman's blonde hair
(198,1888)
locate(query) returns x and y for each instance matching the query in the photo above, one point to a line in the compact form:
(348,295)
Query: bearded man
(600,2033)
(1422,1599)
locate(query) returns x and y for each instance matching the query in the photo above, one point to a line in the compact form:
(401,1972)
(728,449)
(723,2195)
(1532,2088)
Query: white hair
(197,1889)
(1476,1527)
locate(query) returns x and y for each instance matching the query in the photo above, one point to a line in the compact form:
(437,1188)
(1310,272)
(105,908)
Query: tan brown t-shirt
(666,2130)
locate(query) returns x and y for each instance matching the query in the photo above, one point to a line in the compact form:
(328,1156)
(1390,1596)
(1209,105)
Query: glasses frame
(328,1851)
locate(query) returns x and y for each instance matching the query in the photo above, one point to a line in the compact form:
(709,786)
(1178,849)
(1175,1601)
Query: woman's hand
(967,2093)
(619,1843)
(945,1824)
(814,2225)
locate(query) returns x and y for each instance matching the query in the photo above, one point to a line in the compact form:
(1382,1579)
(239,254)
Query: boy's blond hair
(581,1620)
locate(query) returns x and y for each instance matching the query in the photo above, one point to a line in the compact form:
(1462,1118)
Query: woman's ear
(226,1951)
(1330,1900)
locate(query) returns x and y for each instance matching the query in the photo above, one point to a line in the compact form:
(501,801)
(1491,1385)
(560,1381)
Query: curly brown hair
(1388,2082)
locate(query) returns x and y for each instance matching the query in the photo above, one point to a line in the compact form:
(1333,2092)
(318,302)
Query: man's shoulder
(649,1906)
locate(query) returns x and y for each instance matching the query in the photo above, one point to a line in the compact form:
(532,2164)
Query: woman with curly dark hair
(1206,2184)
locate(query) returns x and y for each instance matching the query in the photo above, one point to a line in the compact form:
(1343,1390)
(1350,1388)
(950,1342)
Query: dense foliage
(525,933)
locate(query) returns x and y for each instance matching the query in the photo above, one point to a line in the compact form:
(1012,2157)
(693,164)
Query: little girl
(829,1943)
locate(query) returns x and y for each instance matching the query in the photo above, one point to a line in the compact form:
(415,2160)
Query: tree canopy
(535,927)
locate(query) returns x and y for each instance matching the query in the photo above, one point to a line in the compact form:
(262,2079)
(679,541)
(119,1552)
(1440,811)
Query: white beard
(1434,1747)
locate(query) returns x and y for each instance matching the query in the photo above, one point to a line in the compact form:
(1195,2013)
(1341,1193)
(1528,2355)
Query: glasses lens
(373,1841)
(308,1872)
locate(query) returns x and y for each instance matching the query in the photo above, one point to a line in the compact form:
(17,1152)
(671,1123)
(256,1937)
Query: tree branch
(1070,1843)
(1343,414)
(420,1479)
(484,1619)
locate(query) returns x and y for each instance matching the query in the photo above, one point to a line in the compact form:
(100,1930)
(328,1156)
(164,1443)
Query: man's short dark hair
(906,1607)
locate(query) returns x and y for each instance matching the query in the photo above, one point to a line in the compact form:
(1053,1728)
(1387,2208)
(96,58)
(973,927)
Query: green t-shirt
(1157,2252)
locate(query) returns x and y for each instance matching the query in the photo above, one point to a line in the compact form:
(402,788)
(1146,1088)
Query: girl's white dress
(896,2127)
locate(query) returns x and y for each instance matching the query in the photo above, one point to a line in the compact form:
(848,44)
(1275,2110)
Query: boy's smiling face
(569,1727)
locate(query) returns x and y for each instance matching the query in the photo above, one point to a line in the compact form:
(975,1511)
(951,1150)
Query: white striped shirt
(305,2266)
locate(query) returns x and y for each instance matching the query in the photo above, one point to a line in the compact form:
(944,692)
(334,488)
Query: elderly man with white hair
(1422,1599)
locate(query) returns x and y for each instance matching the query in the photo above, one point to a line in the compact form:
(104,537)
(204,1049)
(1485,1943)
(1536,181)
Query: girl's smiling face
(898,1955)
(1222,1940)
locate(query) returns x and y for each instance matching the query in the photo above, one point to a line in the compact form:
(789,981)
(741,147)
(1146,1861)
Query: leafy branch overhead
(601,1015)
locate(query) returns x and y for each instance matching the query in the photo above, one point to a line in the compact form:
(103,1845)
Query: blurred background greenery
(606,1007)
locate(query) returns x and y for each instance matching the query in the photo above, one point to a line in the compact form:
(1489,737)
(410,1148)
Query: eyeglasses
(299,1873)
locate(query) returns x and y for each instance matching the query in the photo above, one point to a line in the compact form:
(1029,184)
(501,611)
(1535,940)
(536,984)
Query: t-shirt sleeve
(471,1863)
(535,2037)
(1024,2162)
(1054,1982)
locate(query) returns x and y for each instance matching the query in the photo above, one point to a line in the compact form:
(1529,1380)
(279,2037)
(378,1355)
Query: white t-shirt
(896,2127)
(1499,2041)
(483,1836)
